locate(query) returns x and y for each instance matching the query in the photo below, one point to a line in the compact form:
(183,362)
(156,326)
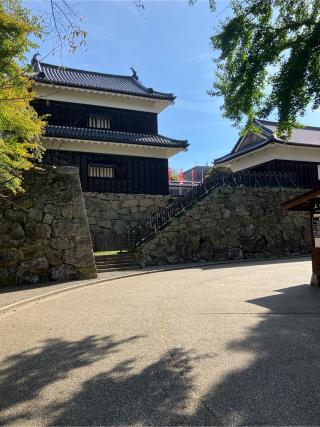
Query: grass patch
(108,253)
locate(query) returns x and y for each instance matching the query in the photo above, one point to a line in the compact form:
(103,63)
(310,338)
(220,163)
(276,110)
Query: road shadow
(279,386)
(157,395)
(24,375)
(124,395)
(282,385)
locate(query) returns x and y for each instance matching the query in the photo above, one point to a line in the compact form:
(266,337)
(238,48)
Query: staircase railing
(134,236)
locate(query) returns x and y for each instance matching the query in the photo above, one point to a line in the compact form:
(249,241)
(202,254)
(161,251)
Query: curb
(93,282)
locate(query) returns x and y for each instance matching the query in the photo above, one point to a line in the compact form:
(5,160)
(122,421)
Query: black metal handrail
(181,189)
(137,235)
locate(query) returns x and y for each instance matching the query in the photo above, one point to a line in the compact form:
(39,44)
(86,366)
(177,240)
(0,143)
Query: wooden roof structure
(304,202)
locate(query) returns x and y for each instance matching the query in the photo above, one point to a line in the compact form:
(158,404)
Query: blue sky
(168,43)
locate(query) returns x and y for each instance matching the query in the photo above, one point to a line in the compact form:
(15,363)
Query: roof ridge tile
(62,67)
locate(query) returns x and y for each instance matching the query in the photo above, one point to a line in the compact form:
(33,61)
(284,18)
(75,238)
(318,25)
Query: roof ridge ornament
(37,70)
(134,74)
(34,58)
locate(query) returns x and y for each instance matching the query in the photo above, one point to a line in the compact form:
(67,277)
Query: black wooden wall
(139,175)
(306,173)
(72,114)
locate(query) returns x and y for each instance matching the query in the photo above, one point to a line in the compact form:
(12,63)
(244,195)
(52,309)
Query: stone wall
(231,224)
(109,214)
(44,233)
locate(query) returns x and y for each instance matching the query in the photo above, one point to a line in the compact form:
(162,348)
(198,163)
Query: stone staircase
(116,262)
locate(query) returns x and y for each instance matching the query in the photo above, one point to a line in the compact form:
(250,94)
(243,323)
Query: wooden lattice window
(100,171)
(99,122)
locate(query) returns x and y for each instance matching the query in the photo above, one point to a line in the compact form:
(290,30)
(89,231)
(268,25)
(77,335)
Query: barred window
(99,122)
(101,171)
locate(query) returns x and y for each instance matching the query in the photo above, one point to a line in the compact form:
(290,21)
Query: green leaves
(20,126)
(269,60)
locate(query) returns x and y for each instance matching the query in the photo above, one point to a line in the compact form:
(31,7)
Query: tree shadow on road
(24,375)
(123,395)
(281,386)
(157,395)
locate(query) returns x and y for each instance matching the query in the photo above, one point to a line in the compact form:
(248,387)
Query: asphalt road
(235,345)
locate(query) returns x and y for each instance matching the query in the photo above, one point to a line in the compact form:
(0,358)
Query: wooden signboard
(310,202)
(315,233)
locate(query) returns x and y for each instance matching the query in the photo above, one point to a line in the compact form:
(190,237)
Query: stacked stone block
(231,224)
(110,214)
(44,232)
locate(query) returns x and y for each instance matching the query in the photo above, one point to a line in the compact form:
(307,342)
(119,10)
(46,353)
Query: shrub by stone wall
(44,235)
(109,214)
(231,224)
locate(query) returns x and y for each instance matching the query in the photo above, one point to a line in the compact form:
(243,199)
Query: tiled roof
(64,76)
(246,149)
(113,136)
(308,136)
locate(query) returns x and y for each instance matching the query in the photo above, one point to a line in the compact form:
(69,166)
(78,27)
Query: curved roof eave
(90,80)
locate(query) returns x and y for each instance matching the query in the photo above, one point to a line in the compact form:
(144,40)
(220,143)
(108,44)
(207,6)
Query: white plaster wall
(104,99)
(109,147)
(274,152)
